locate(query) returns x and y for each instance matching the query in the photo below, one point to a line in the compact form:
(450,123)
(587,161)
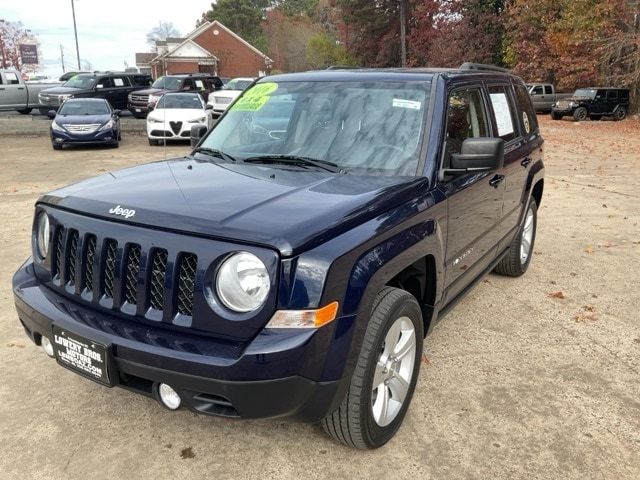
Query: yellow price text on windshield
(255,98)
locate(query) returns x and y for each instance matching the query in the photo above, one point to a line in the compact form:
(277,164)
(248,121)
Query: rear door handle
(495,181)
(525,162)
(20,88)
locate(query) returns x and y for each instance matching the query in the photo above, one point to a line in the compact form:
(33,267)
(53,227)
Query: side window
(120,82)
(217,83)
(623,94)
(12,78)
(200,84)
(105,82)
(466,118)
(503,111)
(528,119)
(612,95)
(188,84)
(537,90)
(0,79)
(548,90)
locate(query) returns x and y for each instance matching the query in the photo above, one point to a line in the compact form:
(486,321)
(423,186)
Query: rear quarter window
(526,112)
(503,110)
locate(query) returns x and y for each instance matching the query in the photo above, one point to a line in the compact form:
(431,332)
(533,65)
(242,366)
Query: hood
(150,91)
(61,90)
(82,119)
(176,114)
(577,99)
(227,93)
(290,211)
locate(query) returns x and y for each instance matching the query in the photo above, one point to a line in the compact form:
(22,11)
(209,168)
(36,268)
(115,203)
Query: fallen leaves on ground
(586,314)
(559,294)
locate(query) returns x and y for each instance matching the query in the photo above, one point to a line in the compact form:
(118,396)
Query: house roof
(143,58)
(197,31)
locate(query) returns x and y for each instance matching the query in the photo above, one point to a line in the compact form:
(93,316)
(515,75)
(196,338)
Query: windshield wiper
(295,160)
(212,152)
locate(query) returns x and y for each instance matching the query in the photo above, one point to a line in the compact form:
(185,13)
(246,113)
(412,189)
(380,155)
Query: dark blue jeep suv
(292,264)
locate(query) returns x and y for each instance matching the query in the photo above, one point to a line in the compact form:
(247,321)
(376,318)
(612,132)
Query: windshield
(179,100)
(73,107)
(80,81)
(168,83)
(237,84)
(365,128)
(585,92)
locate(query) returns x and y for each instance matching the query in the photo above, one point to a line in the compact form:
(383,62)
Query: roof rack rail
(483,66)
(342,67)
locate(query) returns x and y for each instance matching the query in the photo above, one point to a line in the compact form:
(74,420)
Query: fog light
(47,346)
(169,397)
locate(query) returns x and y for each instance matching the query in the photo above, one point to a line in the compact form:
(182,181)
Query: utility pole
(403,33)
(62,58)
(75,31)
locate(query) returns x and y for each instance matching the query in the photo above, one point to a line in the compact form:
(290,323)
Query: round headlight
(42,235)
(243,282)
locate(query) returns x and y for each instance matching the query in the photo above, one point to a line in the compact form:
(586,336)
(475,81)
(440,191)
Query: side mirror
(51,114)
(208,107)
(477,155)
(117,112)
(197,132)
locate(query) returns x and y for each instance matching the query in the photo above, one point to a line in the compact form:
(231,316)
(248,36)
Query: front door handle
(525,163)
(20,88)
(495,181)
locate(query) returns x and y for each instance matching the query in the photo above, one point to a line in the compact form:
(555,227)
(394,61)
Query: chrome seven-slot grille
(81,127)
(82,270)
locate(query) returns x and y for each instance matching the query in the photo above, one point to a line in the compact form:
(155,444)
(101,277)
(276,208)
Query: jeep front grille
(117,274)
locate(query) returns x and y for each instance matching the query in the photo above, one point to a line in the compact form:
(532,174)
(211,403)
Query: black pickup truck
(295,273)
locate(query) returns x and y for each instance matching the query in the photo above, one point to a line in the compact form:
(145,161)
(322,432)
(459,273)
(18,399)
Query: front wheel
(385,376)
(580,114)
(556,116)
(25,111)
(518,257)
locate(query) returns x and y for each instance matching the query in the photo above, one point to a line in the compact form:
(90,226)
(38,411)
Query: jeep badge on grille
(125,212)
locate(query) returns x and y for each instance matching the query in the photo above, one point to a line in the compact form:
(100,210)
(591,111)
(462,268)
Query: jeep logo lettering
(125,212)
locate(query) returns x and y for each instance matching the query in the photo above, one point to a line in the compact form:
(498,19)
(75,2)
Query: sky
(110,32)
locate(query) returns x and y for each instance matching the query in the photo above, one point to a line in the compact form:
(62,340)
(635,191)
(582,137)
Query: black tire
(595,118)
(44,111)
(620,114)
(511,264)
(152,142)
(556,116)
(119,136)
(56,146)
(115,145)
(580,114)
(25,111)
(353,423)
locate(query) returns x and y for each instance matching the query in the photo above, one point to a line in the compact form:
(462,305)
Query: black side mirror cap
(209,107)
(477,155)
(51,114)
(117,112)
(197,132)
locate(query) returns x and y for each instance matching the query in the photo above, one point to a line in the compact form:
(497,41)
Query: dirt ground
(529,378)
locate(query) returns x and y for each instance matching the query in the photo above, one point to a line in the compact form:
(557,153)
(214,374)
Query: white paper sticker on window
(12,77)
(503,114)
(199,84)
(400,102)
(118,82)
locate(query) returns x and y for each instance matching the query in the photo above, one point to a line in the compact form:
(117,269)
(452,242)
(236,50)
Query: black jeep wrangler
(293,262)
(594,103)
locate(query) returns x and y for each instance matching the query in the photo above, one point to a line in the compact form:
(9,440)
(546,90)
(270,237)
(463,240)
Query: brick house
(211,48)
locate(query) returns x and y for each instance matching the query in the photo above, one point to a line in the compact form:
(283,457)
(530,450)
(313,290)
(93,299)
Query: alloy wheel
(527,237)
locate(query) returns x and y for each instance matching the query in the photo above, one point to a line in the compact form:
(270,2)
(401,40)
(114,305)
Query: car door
(516,155)
(13,93)
(474,199)
(119,91)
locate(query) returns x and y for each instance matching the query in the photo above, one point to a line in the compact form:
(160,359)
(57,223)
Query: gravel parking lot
(532,378)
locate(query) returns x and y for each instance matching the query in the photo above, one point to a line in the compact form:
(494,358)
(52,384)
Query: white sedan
(175,114)
(221,99)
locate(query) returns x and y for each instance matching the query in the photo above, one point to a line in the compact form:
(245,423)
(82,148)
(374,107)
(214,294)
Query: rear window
(528,119)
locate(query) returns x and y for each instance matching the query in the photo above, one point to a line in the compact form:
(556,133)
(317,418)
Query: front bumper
(64,138)
(160,131)
(216,384)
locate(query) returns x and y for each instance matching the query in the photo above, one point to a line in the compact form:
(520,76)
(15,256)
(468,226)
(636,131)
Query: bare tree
(162,31)
(12,34)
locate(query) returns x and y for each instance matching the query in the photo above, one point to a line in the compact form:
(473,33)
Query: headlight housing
(62,98)
(56,127)
(198,120)
(110,124)
(153,99)
(242,282)
(154,120)
(42,235)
